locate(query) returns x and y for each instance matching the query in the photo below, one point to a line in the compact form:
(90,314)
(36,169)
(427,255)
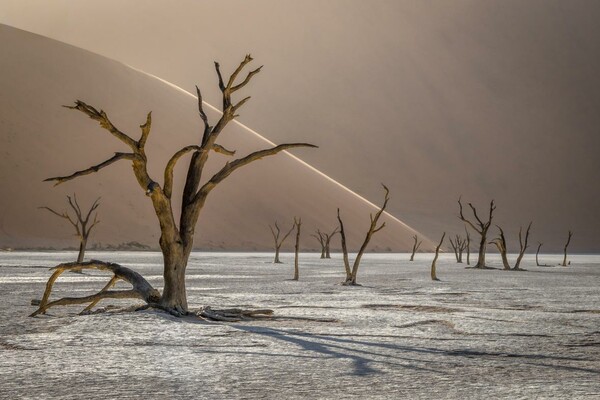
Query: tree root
(141,289)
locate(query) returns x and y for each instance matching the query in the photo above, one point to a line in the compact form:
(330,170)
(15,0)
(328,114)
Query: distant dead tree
(537,262)
(458,245)
(321,238)
(437,251)
(500,242)
(468,248)
(564,263)
(415,247)
(351,273)
(297,224)
(79,221)
(325,241)
(480,227)
(176,240)
(523,244)
(278,242)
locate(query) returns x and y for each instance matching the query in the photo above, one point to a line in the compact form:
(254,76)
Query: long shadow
(360,358)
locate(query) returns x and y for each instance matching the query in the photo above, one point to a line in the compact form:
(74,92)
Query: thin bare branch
(102,118)
(145,131)
(222,150)
(92,169)
(248,77)
(230,167)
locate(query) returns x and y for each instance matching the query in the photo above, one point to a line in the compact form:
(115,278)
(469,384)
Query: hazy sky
(488,99)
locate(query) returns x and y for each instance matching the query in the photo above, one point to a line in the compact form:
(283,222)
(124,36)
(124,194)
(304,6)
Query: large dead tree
(564,263)
(523,245)
(351,273)
(437,252)
(81,221)
(176,240)
(297,224)
(415,247)
(276,232)
(480,227)
(459,244)
(500,242)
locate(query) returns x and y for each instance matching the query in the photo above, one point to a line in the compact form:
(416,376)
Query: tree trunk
(437,251)
(322,252)
(297,249)
(537,262)
(564,263)
(460,253)
(327,253)
(481,256)
(82,246)
(276,260)
(175,263)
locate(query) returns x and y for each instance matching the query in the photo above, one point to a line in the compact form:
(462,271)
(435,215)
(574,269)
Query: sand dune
(41,139)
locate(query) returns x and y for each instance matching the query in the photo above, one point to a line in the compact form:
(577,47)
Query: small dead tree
(415,247)
(80,222)
(523,244)
(480,227)
(297,224)
(321,238)
(351,273)
(176,240)
(325,240)
(458,245)
(537,252)
(564,263)
(500,242)
(437,251)
(278,242)
(328,241)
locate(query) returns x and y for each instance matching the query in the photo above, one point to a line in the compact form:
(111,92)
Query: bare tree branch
(145,131)
(92,169)
(230,167)
(102,118)
(168,182)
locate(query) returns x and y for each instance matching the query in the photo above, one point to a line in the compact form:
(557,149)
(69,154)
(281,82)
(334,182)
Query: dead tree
(321,238)
(328,241)
(415,247)
(468,248)
(523,244)
(325,240)
(176,240)
(500,242)
(80,222)
(297,224)
(480,227)
(537,262)
(437,251)
(564,263)
(351,273)
(278,242)
(458,245)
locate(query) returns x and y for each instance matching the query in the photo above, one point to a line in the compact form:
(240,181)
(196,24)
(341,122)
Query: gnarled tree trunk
(537,261)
